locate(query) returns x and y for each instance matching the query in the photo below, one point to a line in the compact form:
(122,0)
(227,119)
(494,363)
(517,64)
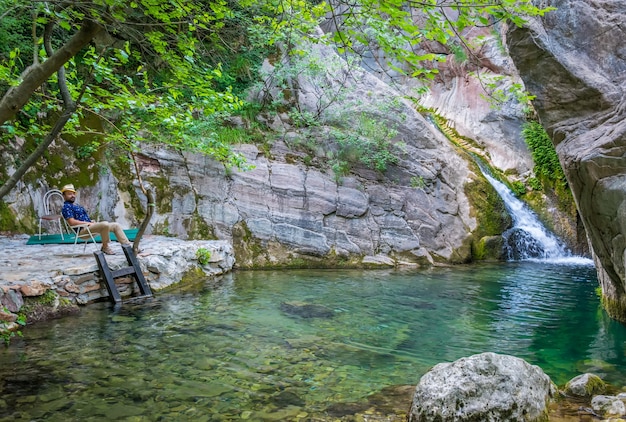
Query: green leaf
(65,25)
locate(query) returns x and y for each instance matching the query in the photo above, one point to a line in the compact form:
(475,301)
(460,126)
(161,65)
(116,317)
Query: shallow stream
(302,345)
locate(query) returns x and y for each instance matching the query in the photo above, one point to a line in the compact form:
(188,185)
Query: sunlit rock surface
(71,272)
(293,209)
(484,387)
(585,385)
(286,211)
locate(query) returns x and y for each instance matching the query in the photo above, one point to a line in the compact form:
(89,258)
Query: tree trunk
(33,77)
(144,224)
(43,146)
(68,110)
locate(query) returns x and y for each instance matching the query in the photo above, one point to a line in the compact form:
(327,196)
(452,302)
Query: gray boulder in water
(306,310)
(486,387)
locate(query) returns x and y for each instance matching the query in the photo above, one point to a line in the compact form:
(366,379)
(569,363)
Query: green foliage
(15,29)
(171,66)
(399,28)
(157,86)
(233,136)
(499,92)
(87,150)
(534,183)
(598,292)
(339,167)
(518,188)
(547,165)
(366,142)
(48,298)
(418,182)
(5,334)
(203,255)
(459,53)
(302,119)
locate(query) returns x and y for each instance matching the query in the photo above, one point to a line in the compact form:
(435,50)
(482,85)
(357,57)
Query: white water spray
(529,239)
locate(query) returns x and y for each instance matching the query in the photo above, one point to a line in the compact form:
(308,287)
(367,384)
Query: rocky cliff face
(287,212)
(293,209)
(574,61)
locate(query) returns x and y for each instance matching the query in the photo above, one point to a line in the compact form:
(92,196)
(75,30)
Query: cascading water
(528,238)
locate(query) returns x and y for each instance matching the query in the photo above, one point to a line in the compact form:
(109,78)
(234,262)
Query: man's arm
(74,222)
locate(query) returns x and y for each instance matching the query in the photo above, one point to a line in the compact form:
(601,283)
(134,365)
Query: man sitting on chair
(76,216)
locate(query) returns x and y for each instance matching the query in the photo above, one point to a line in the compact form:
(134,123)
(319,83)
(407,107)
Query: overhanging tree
(149,72)
(138,65)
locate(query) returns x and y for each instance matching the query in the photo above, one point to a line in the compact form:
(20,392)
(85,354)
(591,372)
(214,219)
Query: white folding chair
(86,235)
(51,201)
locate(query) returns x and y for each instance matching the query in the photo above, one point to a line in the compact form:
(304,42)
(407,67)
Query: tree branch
(68,110)
(34,76)
(43,146)
(47,43)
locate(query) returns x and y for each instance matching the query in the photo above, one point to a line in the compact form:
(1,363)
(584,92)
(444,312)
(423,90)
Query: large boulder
(487,387)
(574,61)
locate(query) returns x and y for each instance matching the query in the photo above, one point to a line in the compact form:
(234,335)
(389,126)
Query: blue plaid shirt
(71,210)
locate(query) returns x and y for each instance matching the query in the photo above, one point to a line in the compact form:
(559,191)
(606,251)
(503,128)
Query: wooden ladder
(133,269)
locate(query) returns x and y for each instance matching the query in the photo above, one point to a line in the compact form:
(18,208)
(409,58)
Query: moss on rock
(489,248)
(197,228)
(12,223)
(585,385)
(47,306)
(616,308)
(490,212)
(248,249)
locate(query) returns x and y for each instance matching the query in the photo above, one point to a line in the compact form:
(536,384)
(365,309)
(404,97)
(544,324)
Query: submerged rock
(609,406)
(484,387)
(306,310)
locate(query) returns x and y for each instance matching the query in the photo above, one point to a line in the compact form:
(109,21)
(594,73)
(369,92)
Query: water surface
(238,351)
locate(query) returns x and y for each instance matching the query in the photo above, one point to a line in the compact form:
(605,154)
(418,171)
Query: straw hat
(68,188)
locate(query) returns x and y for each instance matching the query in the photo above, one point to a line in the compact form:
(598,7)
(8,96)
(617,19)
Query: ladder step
(137,299)
(123,272)
(133,269)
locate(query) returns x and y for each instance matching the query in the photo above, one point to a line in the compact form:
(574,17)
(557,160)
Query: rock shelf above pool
(70,271)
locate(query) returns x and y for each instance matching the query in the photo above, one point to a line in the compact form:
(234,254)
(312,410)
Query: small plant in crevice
(5,334)
(87,150)
(367,142)
(418,182)
(534,183)
(598,292)
(203,255)
(303,119)
(497,92)
(518,188)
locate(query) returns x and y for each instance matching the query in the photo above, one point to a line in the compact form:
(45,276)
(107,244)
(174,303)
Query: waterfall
(529,239)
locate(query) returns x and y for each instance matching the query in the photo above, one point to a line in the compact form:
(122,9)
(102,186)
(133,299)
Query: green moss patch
(490,212)
(47,306)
